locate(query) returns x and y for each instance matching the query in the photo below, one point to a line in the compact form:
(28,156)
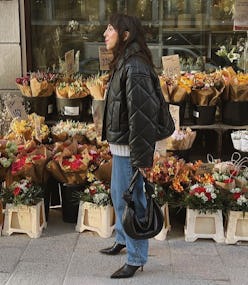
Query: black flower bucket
(204,115)
(70,201)
(77,109)
(235,113)
(42,106)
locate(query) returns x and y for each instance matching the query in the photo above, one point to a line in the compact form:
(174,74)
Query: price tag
(71,111)
(174,111)
(205,168)
(16,108)
(69,62)
(105,57)
(171,65)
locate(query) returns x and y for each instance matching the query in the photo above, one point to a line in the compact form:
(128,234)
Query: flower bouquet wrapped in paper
(8,151)
(30,163)
(70,163)
(175,89)
(181,139)
(69,129)
(23,83)
(42,84)
(97,85)
(24,130)
(236,85)
(206,89)
(73,87)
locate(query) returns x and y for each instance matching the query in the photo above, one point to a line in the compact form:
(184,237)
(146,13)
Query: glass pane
(140,8)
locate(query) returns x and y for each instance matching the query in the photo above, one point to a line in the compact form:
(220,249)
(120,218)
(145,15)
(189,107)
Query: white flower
(242,200)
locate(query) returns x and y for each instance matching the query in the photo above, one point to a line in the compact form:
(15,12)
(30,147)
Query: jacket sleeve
(142,105)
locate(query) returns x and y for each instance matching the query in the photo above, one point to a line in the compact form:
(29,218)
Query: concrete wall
(10,45)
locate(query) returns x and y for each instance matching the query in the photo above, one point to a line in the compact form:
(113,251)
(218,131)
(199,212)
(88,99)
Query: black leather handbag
(149,225)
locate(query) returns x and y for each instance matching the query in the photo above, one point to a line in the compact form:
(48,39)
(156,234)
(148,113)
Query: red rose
(17,191)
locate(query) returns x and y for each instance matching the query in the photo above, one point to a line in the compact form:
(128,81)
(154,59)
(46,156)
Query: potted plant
(24,208)
(96,212)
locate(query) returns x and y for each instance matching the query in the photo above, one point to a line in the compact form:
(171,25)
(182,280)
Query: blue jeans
(122,172)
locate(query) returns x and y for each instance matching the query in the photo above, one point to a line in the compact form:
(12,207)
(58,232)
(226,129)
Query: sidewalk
(63,256)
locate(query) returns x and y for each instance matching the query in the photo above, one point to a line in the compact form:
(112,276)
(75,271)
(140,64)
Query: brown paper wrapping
(41,89)
(225,186)
(238,93)
(104,171)
(25,90)
(62,92)
(205,97)
(179,94)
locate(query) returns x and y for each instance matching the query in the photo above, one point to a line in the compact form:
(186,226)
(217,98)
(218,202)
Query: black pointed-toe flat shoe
(126,271)
(113,250)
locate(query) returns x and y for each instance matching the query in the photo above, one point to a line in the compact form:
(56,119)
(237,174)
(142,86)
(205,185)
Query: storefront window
(195,29)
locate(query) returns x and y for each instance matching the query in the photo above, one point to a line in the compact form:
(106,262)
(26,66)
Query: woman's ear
(125,35)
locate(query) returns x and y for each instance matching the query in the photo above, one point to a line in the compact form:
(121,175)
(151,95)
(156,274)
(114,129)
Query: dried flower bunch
(23,192)
(97,85)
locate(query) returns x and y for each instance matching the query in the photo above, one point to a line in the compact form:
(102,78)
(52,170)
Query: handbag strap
(127,195)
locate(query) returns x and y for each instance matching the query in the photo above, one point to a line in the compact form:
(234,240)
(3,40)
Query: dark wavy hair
(132,24)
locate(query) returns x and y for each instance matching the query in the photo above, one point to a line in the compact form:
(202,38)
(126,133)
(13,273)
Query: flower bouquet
(175,89)
(97,85)
(181,139)
(24,130)
(70,163)
(30,164)
(64,130)
(235,85)
(224,181)
(73,87)
(97,193)
(23,83)
(23,192)
(206,89)
(238,199)
(203,197)
(8,151)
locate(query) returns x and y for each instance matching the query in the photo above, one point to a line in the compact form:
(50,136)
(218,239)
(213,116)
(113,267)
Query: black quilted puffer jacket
(133,107)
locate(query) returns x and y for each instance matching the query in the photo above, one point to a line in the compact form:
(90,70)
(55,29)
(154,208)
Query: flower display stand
(95,218)
(166,226)
(237,227)
(24,219)
(201,225)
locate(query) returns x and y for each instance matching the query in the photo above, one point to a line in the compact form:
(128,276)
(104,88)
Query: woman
(130,125)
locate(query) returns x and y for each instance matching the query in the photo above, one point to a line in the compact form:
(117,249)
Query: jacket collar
(132,49)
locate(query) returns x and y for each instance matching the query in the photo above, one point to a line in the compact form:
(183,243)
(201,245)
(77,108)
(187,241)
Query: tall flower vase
(204,225)
(237,227)
(100,219)
(24,219)
(166,226)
